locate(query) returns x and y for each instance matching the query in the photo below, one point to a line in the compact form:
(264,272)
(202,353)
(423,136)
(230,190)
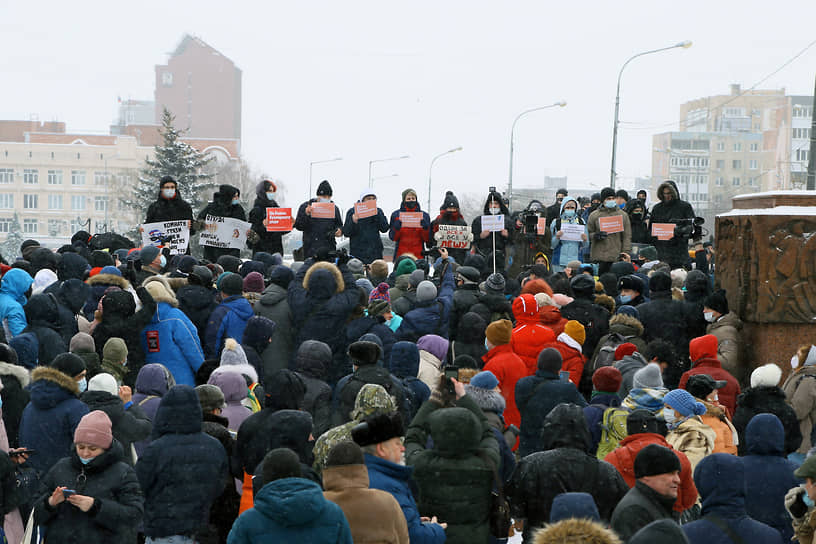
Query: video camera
(690,228)
(433,253)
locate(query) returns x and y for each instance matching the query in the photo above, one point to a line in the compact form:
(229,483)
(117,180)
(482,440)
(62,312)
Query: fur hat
(655,459)
(717,301)
(148,254)
(576,331)
(231,284)
(631,282)
(160,290)
(82,341)
(254,283)
(659,281)
(364,353)
(607,379)
(627,348)
(104,382)
(324,189)
(484,380)
(682,402)
(648,377)
(69,364)
(766,375)
(426,291)
(210,397)
(115,350)
(95,429)
(203,274)
(583,285)
(377,429)
(550,360)
(499,332)
(606,192)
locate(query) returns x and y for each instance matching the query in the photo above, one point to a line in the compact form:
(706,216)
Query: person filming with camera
(530,237)
(671,209)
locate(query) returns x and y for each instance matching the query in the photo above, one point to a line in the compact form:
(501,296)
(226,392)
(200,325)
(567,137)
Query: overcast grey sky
(368,80)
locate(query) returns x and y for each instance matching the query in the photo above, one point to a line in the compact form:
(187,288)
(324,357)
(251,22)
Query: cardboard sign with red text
(611,225)
(278,219)
(663,231)
(454,236)
(365,209)
(323,210)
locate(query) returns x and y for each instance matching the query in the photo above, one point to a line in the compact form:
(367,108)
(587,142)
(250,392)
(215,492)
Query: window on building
(720,164)
(6,175)
(6,201)
(5,224)
(753,164)
(737,146)
(31,176)
(734,112)
(30,226)
(77,202)
(30,202)
(754,147)
(54,202)
(720,146)
(735,181)
(99,178)
(753,181)
(802,111)
(802,154)
(718,181)
(100,203)
(55,177)
(77,177)
(55,227)
(736,164)
(801,133)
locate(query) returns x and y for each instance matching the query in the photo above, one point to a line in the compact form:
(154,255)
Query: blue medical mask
(569,214)
(611,204)
(621,206)
(625,299)
(808,501)
(669,416)
(163,261)
(235,201)
(85,461)
(83,385)
(324,199)
(271,196)
(486,346)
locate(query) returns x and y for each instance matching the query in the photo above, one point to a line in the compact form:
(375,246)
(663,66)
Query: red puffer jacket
(529,337)
(508,369)
(573,359)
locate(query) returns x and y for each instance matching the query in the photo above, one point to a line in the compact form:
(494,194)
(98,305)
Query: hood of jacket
(765,435)
(260,191)
(703,348)
(73,293)
(564,203)
(664,531)
(232,384)
(15,283)
(313,359)
(575,531)
(16,371)
(340,477)
(525,309)
(225,194)
(566,427)
(291,502)
(455,431)
(290,429)
(372,399)
(154,379)
(49,387)
(179,412)
(697,285)
(42,310)
(720,480)
(471,328)
(323,280)
(626,325)
(494,195)
(759,398)
(72,265)
(259,330)
(164,294)
(102,400)
(487,399)
(668,184)
(631,363)
(404,360)
(728,320)
(434,344)
(272,295)
(107,280)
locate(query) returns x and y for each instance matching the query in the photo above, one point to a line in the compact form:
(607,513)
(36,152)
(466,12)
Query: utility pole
(811,172)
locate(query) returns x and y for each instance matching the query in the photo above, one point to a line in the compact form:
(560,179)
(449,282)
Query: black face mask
(637,216)
(411,205)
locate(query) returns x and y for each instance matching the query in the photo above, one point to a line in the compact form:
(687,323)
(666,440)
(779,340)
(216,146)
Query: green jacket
(608,249)
(455,478)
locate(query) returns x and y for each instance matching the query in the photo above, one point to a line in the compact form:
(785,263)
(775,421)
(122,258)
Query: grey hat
(495,283)
(468,273)
(148,254)
(355,266)
(202,273)
(648,376)
(426,291)
(416,277)
(232,284)
(210,397)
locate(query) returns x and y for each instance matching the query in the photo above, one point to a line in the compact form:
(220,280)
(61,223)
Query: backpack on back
(613,430)
(606,355)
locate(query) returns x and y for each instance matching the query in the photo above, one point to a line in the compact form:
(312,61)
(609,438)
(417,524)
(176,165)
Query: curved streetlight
(561,104)
(310,172)
(383,160)
(685,45)
(430,171)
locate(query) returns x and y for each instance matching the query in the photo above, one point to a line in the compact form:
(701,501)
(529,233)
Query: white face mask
(271,196)
(669,417)
(794,361)
(709,316)
(323,199)
(168,193)
(495,211)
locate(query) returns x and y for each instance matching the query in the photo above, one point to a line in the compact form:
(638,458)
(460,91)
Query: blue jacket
(171,339)
(394,478)
(228,320)
(291,510)
(404,364)
(431,317)
(566,251)
(594,414)
(12,299)
(364,236)
(536,395)
(720,479)
(50,418)
(768,473)
(183,470)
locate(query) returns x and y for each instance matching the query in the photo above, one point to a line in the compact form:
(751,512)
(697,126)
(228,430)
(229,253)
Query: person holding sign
(225,203)
(483,238)
(609,231)
(319,225)
(410,227)
(449,214)
(638,219)
(169,206)
(569,235)
(672,210)
(364,223)
(268,241)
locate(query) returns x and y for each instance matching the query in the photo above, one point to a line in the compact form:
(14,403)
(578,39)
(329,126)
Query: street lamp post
(310,171)
(370,182)
(561,104)
(430,171)
(685,45)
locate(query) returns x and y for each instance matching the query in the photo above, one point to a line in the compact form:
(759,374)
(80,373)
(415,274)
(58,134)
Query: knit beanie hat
(405,266)
(682,401)
(203,274)
(115,350)
(574,505)
(280,463)
(104,382)
(659,281)
(148,254)
(356,267)
(82,341)
(378,268)
(484,380)
(627,348)
(606,192)
(495,283)
(550,360)
(717,301)
(582,285)
(364,353)
(365,286)
(254,283)
(701,385)
(94,429)
(324,189)
(69,364)
(499,332)
(655,459)
(648,377)
(233,353)
(210,397)
(426,291)
(281,275)
(416,277)
(576,331)
(380,293)
(463,360)
(607,379)
(110,269)
(631,311)
(231,284)
(766,375)
(407,192)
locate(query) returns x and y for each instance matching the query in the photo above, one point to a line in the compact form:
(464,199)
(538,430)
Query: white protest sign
(572,232)
(453,236)
(493,223)
(172,234)
(224,232)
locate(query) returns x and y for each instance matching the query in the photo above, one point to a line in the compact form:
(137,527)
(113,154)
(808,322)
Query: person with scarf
(409,240)
(687,432)
(647,391)
(449,214)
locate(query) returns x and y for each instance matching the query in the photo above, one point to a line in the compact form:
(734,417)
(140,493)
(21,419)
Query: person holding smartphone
(92,495)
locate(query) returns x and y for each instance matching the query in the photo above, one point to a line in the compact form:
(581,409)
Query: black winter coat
(766,400)
(455,219)
(464,298)
(485,245)
(71,296)
(674,251)
(594,318)
(270,242)
(373,325)
(565,465)
(639,507)
(493,305)
(15,397)
(42,315)
(197,302)
(222,206)
(318,234)
(118,502)
(183,470)
(312,367)
(364,236)
(664,318)
(169,209)
(273,305)
(224,510)
(129,426)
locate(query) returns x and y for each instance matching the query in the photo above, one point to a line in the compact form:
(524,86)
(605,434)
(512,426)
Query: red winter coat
(573,359)
(508,369)
(529,337)
(703,352)
(623,459)
(550,316)
(409,240)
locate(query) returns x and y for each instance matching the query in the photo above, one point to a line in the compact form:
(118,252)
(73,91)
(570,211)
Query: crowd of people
(572,392)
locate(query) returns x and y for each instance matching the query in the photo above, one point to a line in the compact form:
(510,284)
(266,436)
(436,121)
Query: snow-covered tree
(11,247)
(175,158)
